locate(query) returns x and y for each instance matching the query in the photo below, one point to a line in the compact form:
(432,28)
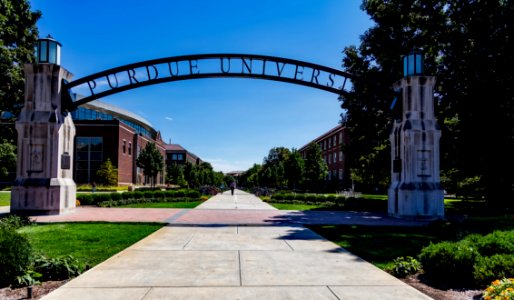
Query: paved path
(213,261)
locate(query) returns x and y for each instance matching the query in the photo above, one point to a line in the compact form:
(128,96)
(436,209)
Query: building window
(130,149)
(341,174)
(340,138)
(174,156)
(124,146)
(180,156)
(88,158)
(340,155)
(335,157)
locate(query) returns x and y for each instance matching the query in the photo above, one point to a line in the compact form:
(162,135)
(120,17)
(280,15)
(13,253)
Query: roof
(114,110)
(324,135)
(174,147)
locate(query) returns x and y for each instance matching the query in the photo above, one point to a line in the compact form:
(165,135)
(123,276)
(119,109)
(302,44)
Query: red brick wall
(126,156)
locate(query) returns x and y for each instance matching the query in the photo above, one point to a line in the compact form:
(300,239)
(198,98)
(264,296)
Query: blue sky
(231,123)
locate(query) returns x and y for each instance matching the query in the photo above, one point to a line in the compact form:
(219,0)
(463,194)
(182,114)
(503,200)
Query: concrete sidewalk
(235,262)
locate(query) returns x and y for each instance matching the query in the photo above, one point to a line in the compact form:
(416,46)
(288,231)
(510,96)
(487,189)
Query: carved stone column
(415,190)
(44,181)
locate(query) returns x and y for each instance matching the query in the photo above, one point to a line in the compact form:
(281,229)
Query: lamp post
(415,190)
(413,64)
(44,179)
(48,51)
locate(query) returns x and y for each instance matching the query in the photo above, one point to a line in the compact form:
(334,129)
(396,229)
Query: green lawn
(191,204)
(91,243)
(5,199)
(378,245)
(293,206)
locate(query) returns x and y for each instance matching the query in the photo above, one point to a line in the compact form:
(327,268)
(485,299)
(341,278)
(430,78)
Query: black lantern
(413,64)
(48,51)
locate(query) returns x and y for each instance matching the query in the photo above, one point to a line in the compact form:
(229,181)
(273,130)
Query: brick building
(106,131)
(179,155)
(331,144)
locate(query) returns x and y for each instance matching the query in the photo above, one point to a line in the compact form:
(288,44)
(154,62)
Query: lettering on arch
(187,67)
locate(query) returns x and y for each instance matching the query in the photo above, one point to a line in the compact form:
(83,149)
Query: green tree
(468,45)
(175,174)
(7,162)
(294,169)
(316,168)
(151,161)
(107,174)
(272,172)
(18,35)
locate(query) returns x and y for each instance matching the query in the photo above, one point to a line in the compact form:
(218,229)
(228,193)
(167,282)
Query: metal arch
(331,83)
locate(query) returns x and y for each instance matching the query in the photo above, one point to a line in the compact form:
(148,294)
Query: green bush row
(474,261)
(349,203)
(114,203)
(95,198)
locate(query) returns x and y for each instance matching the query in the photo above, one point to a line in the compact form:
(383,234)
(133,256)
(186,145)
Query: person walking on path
(232,187)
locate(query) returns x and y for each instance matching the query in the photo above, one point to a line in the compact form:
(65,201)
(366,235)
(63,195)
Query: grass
(5,199)
(378,245)
(89,242)
(294,206)
(191,204)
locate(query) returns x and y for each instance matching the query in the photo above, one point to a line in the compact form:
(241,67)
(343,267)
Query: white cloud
(219,164)
(169,118)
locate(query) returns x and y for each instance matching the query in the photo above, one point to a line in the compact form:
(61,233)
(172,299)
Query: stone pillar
(44,180)
(415,190)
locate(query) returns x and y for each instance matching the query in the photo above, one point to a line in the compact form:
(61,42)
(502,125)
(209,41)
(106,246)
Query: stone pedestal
(415,190)
(44,180)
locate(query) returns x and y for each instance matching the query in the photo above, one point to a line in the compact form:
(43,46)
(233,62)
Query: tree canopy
(468,46)
(18,36)
(151,161)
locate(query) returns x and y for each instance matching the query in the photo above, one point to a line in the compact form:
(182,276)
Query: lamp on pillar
(413,63)
(44,179)
(48,51)
(415,190)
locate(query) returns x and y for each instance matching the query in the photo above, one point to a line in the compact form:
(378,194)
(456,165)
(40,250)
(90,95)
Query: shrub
(148,194)
(300,197)
(137,195)
(288,197)
(490,268)
(449,262)
(321,199)
(500,289)
(330,198)
(498,242)
(310,198)
(15,255)
(85,199)
(115,196)
(158,194)
(127,195)
(59,268)
(179,193)
(404,266)
(340,201)
(15,221)
(277,196)
(169,194)
(101,197)
(192,194)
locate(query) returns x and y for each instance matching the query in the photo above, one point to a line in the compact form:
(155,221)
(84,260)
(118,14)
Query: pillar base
(43,196)
(420,201)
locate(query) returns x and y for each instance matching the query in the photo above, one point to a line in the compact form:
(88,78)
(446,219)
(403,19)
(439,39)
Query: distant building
(235,173)
(179,155)
(106,131)
(331,144)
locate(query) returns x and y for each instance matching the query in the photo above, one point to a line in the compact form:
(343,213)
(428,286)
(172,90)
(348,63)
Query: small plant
(500,290)
(15,255)
(15,222)
(404,266)
(58,268)
(30,278)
